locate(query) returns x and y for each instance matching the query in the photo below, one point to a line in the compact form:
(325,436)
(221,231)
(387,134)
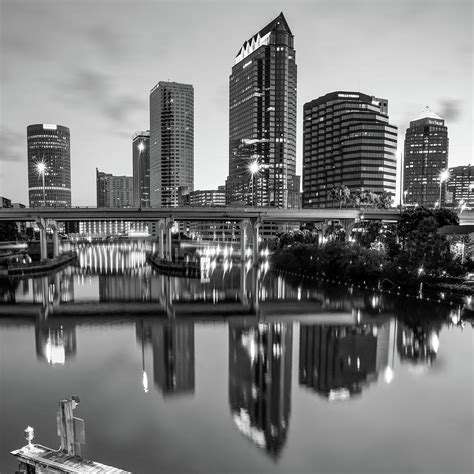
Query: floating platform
(42,267)
(45,459)
(179,268)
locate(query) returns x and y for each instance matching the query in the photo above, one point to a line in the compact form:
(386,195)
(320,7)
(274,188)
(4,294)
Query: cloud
(109,42)
(96,90)
(450,109)
(12,144)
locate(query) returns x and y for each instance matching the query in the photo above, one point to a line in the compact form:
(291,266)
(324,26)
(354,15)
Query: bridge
(188,213)
(250,219)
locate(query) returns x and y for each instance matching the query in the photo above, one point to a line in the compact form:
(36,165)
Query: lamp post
(253,169)
(443,176)
(41,170)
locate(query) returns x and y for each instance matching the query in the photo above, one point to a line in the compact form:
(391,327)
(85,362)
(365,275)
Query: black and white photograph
(236,236)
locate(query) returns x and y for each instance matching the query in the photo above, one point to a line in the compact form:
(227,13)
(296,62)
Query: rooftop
(427,113)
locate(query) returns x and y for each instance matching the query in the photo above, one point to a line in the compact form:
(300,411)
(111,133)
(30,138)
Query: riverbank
(359,265)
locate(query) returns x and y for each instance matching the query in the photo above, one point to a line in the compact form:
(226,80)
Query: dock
(41,267)
(44,459)
(177,268)
(35,458)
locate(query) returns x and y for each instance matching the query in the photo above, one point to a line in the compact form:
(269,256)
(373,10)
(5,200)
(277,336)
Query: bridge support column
(55,229)
(169,248)
(243,238)
(255,234)
(42,225)
(161,237)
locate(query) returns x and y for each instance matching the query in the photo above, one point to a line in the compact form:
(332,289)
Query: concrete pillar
(161,236)
(55,229)
(42,225)
(255,287)
(169,249)
(243,238)
(255,234)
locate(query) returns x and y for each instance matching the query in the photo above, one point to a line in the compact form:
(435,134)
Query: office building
(171,142)
(460,187)
(262,120)
(425,158)
(49,165)
(347,141)
(141,169)
(208,197)
(114,191)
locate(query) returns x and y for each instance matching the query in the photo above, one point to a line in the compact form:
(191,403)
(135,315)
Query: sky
(90,65)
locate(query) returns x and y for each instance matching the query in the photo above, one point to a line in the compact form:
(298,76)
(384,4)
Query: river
(242,370)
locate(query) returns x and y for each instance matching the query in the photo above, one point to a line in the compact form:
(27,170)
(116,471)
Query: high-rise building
(208,197)
(460,186)
(141,169)
(114,191)
(49,165)
(425,158)
(348,141)
(171,142)
(262,120)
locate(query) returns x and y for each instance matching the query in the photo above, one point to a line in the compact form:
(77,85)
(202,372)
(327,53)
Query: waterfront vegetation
(404,254)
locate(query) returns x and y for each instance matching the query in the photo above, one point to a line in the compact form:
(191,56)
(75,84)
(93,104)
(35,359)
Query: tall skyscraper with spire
(171,142)
(425,159)
(262,120)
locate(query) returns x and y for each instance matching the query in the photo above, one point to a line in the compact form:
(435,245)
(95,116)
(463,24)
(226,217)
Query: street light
(41,170)
(443,176)
(254,168)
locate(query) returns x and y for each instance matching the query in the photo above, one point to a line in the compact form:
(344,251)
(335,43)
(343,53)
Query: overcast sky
(90,65)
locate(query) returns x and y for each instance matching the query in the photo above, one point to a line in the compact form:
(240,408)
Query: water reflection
(260,382)
(338,361)
(173,355)
(55,341)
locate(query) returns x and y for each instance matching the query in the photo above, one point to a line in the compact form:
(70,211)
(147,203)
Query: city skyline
(114,113)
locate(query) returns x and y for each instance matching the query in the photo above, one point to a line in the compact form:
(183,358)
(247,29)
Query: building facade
(347,141)
(208,197)
(425,158)
(114,191)
(49,165)
(171,142)
(141,169)
(262,120)
(460,186)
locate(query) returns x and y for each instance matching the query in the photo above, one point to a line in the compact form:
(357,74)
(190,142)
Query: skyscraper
(460,186)
(171,142)
(49,165)
(348,141)
(114,191)
(141,169)
(262,120)
(425,158)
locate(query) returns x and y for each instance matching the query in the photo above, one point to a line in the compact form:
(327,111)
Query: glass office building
(171,142)
(49,165)
(141,169)
(347,141)
(425,158)
(262,120)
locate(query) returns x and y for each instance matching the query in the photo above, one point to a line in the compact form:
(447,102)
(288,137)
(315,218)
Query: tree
(8,231)
(341,194)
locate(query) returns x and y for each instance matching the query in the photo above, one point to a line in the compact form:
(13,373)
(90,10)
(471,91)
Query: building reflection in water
(55,341)
(338,361)
(173,355)
(260,361)
(417,345)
